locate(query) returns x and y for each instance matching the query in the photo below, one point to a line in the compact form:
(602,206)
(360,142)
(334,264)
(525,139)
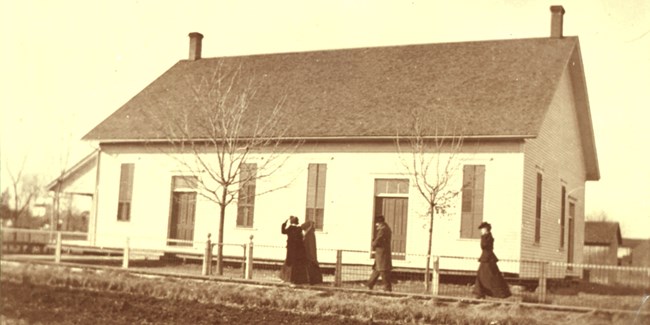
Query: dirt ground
(29,304)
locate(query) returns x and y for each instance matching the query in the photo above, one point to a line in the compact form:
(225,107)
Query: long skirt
(295,273)
(490,282)
(314,273)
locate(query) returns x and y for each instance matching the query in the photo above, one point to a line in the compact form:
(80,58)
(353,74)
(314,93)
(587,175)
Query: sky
(67,65)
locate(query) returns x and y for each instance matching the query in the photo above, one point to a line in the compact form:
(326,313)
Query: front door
(395,211)
(183,206)
(391,201)
(182,219)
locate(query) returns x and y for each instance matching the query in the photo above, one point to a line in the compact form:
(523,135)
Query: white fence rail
(536,281)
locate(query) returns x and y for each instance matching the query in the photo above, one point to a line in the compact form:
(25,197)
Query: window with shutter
(472,201)
(246,195)
(126,192)
(538,209)
(562,215)
(315,207)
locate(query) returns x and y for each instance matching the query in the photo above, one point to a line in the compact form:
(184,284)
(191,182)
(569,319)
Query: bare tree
(430,158)
(5,206)
(24,188)
(598,215)
(215,132)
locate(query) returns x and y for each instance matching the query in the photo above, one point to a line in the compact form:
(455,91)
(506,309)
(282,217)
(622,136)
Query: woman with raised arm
(294,269)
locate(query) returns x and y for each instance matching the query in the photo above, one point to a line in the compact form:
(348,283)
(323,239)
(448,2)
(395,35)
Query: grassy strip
(357,305)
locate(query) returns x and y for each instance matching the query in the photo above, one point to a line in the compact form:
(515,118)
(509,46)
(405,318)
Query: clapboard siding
(557,154)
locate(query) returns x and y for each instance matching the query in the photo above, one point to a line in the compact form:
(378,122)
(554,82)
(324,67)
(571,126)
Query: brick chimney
(557,12)
(195,46)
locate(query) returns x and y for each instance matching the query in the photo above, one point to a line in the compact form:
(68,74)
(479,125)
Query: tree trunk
(57,207)
(15,213)
(427,271)
(222,216)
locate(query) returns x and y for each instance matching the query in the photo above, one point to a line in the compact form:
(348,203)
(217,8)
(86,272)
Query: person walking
(294,269)
(383,259)
(313,270)
(489,280)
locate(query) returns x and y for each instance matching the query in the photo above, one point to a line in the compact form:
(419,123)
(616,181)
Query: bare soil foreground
(59,305)
(51,294)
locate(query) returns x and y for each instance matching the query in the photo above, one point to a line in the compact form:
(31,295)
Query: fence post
(207,257)
(435,277)
(541,297)
(244,261)
(339,267)
(249,260)
(57,249)
(126,255)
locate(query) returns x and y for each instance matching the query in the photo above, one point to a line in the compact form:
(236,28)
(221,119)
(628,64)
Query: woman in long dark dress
(313,270)
(489,280)
(294,269)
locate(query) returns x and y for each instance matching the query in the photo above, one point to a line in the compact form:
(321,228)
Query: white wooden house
(528,149)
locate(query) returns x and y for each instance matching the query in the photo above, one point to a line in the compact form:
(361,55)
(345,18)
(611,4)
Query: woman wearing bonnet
(294,269)
(489,280)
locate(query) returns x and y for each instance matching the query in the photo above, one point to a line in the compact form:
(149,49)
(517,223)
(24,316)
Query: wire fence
(546,282)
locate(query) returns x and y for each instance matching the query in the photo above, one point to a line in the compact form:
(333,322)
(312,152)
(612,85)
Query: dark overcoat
(310,241)
(489,280)
(381,246)
(295,247)
(487,249)
(313,270)
(294,269)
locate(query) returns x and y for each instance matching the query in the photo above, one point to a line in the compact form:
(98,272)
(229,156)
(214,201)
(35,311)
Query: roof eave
(584,114)
(87,159)
(592,243)
(328,139)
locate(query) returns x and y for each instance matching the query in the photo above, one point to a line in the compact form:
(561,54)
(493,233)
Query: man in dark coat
(295,264)
(383,256)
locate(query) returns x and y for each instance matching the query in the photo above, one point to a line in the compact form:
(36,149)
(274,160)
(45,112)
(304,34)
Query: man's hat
(379,219)
(485,225)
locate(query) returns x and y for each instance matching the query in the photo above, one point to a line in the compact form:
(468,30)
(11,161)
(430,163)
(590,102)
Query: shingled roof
(488,89)
(602,232)
(633,242)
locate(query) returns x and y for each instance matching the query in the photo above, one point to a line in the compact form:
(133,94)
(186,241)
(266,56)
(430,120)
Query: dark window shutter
(472,200)
(315,203)
(562,215)
(479,193)
(320,187)
(125,192)
(538,209)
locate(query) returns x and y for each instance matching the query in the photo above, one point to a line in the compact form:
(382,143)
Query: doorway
(183,206)
(391,201)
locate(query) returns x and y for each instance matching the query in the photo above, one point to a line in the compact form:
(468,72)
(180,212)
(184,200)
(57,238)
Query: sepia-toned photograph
(324,162)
